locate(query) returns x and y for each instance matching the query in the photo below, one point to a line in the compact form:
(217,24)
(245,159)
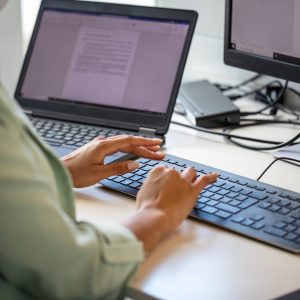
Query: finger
(126,143)
(99,138)
(144,152)
(118,168)
(154,148)
(204,180)
(189,174)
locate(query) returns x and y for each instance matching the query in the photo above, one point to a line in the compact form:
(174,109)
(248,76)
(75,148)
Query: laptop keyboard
(261,211)
(71,135)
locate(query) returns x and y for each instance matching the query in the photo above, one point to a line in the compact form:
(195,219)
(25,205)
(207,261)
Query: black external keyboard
(261,211)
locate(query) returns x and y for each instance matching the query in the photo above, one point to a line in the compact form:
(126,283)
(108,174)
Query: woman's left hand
(86,164)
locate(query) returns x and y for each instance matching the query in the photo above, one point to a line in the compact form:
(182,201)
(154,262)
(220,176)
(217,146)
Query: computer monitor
(264,36)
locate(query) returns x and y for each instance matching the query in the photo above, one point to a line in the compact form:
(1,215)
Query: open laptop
(103,69)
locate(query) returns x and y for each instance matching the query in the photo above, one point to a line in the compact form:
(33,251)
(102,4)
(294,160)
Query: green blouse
(44,252)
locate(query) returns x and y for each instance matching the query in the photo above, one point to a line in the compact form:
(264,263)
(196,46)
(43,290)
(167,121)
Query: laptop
(103,69)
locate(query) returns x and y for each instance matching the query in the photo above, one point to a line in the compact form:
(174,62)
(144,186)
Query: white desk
(200,261)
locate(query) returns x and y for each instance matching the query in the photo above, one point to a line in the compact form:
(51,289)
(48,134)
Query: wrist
(149,225)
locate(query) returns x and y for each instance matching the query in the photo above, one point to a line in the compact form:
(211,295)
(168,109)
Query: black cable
(272,103)
(230,136)
(234,87)
(287,159)
(254,91)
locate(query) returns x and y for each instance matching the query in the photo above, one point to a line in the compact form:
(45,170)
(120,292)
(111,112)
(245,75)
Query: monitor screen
(264,36)
(105,59)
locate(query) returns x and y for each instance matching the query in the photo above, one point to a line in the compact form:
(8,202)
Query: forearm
(149,226)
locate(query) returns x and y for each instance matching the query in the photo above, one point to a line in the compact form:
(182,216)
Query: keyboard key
(275,231)
(243,182)
(283,203)
(258,225)
(212,203)
(216,197)
(294,198)
(272,192)
(199,206)
(234,180)
(291,236)
(213,189)
(127,182)
(290,220)
(284,195)
(236,189)
(209,209)
(232,195)
(241,197)
(223,214)
(237,219)
(284,211)
(273,200)
(140,172)
(146,168)
(136,178)
(118,179)
(245,192)
(228,208)
(264,205)
(274,208)
(258,195)
(127,175)
(249,202)
(227,186)
(206,194)
(203,200)
(225,200)
(224,177)
(260,188)
(219,183)
(290,228)
(279,225)
(135,184)
(235,203)
(248,222)
(257,218)
(251,185)
(293,206)
(223,192)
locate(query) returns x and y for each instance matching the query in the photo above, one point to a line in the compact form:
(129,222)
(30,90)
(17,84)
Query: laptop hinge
(28,112)
(147,131)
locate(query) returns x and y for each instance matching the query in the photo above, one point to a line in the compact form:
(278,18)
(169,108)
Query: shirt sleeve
(46,253)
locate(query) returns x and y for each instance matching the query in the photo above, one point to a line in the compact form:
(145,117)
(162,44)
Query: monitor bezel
(108,116)
(253,62)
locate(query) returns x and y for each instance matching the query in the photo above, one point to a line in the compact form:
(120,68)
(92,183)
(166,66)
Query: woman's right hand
(164,201)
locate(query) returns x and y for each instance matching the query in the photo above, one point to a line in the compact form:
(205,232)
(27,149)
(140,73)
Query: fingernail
(132,165)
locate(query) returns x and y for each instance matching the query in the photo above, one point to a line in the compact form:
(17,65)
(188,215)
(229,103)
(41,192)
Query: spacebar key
(53,140)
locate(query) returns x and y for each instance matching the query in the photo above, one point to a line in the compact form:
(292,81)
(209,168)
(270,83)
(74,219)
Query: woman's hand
(86,164)
(164,201)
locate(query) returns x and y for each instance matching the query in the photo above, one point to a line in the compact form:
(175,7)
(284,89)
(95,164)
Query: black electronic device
(258,210)
(92,66)
(206,106)
(255,40)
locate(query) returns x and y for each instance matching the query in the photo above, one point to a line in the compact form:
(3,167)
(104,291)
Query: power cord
(254,122)
(286,159)
(225,88)
(272,104)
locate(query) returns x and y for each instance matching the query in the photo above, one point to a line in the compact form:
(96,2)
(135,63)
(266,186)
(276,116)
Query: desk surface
(200,261)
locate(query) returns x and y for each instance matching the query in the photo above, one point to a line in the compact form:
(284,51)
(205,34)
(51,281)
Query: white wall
(11,45)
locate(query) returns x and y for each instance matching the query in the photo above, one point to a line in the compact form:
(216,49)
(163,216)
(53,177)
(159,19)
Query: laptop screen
(94,59)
